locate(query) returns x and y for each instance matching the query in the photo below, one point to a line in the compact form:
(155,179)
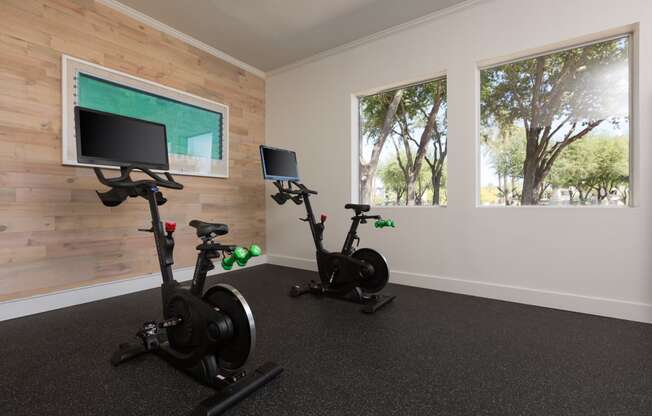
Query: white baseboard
(614,308)
(632,311)
(69,297)
(296,262)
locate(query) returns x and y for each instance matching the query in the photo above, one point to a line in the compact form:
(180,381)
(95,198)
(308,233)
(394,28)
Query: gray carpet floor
(428,353)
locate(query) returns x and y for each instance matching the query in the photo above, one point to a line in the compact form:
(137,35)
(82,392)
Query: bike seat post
(204,264)
(352,235)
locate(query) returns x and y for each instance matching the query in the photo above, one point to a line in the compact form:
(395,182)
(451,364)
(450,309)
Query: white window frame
(632,33)
(356,132)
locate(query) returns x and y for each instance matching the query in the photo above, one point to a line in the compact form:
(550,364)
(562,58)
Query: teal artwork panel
(190,129)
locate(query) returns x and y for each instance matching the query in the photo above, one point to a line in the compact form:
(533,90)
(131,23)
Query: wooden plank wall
(54,232)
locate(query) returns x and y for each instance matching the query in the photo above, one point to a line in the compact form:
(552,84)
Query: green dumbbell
(384,223)
(241,256)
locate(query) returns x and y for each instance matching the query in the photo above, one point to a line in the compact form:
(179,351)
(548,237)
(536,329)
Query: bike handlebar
(302,188)
(125,181)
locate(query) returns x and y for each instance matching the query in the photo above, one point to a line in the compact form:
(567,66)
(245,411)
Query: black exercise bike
(355,275)
(210,335)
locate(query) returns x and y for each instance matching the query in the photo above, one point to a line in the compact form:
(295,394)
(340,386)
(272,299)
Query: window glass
(554,129)
(403,145)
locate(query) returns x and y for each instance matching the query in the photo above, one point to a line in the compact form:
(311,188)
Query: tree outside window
(554,128)
(403,145)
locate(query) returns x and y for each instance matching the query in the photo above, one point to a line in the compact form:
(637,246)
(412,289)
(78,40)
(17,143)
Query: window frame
(629,32)
(356,133)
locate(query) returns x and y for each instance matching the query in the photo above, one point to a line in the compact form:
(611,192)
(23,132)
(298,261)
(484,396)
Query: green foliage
(419,98)
(372,113)
(595,167)
(574,170)
(423,187)
(418,136)
(535,113)
(394,181)
(571,84)
(489,195)
(507,153)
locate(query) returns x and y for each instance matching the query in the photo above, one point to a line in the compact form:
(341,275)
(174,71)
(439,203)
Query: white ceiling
(269,34)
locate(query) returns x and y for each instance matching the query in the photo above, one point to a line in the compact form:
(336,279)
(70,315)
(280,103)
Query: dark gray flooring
(429,353)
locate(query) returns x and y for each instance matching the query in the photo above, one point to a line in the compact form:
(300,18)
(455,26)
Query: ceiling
(269,34)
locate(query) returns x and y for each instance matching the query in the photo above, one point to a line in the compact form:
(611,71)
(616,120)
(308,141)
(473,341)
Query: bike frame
(163,252)
(165,246)
(317,229)
(340,272)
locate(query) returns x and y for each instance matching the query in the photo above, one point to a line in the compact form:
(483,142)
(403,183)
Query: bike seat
(358,207)
(205,229)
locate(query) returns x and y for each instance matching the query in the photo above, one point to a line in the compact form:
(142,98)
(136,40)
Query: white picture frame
(71,67)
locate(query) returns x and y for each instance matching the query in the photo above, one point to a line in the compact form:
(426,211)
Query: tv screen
(279,164)
(111,139)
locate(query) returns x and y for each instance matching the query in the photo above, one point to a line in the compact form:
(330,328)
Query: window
(195,127)
(554,129)
(403,145)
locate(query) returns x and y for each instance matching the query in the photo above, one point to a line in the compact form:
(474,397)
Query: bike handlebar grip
(176,185)
(384,223)
(100,175)
(241,256)
(125,181)
(169,183)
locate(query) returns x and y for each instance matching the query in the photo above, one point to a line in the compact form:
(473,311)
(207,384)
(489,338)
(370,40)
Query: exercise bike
(352,274)
(210,335)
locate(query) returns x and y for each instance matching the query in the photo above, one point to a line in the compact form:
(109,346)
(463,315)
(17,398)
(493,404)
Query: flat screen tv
(115,140)
(279,164)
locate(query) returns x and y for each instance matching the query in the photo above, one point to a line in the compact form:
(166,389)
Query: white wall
(594,260)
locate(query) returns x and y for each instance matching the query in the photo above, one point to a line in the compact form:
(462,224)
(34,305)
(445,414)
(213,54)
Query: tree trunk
(540,157)
(436,185)
(506,192)
(419,157)
(368,169)
(530,194)
(366,185)
(410,191)
(624,196)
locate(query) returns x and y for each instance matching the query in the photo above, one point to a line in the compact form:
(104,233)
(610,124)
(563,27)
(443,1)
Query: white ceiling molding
(143,18)
(156,24)
(378,35)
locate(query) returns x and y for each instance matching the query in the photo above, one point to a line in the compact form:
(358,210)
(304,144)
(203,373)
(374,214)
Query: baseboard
(295,262)
(70,297)
(614,308)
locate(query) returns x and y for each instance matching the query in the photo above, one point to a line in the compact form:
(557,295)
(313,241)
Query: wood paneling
(54,232)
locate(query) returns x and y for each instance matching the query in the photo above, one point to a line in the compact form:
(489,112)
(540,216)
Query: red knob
(323,217)
(170,226)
